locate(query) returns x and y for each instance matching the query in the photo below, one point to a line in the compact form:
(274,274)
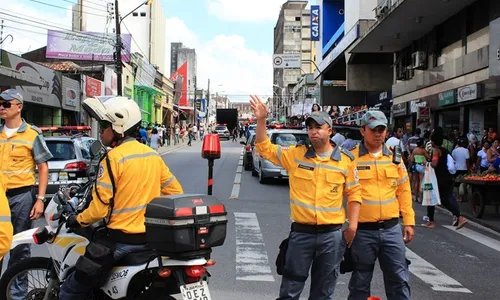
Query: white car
(222,131)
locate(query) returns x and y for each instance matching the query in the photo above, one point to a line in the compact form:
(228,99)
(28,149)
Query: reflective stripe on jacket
(140,175)
(317,185)
(385,187)
(6,230)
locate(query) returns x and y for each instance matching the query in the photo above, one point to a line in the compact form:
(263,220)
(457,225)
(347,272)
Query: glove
(72,222)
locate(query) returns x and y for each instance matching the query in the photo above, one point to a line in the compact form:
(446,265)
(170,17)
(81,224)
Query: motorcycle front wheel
(27,279)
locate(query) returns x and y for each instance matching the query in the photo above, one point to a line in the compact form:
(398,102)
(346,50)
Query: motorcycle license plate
(195,291)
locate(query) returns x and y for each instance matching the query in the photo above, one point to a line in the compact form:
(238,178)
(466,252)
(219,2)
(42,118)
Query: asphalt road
(446,264)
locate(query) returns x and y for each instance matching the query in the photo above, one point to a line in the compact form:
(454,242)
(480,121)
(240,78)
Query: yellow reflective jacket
(317,185)
(6,230)
(140,175)
(385,187)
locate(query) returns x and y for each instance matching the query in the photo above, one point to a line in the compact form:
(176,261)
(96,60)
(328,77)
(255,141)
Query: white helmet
(121,112)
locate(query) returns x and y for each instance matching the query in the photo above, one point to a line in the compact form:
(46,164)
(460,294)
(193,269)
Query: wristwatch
(42,198)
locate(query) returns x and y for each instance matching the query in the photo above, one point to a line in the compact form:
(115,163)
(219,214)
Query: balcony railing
(352,118)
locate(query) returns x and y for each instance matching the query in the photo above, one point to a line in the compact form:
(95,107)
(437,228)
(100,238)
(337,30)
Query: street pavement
(446,264)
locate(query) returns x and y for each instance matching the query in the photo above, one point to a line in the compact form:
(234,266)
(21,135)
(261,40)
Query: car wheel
(262,179)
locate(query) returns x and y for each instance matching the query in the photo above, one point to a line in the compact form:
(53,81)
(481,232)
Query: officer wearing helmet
(129,177)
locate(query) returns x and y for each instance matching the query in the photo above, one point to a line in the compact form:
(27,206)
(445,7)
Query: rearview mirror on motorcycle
(96,148)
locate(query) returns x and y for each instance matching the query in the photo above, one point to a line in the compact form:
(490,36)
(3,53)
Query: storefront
(401,117)
(42,105)
(381,101)
(144,96)
(71,102)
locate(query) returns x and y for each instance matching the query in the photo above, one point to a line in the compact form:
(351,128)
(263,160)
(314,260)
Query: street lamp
(119,45)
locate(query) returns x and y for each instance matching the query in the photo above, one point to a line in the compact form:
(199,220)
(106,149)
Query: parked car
(265,169)
(247,157)
(70,162)
(222,131)
(252,128)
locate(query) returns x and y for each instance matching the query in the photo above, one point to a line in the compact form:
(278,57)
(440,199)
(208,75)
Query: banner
(110,82)
(315,24)
(85,45)
(180,81)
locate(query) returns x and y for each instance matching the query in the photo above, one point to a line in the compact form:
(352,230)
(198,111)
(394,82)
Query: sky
(233,38)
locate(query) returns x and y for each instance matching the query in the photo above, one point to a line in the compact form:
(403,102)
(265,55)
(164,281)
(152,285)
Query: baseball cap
(320,118)
(374,118)
(12,94)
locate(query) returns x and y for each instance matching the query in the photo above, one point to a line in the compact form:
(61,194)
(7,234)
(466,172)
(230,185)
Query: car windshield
(61,150)
(221,128)
(289,139)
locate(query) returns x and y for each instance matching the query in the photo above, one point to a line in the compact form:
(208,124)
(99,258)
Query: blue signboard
(315,18)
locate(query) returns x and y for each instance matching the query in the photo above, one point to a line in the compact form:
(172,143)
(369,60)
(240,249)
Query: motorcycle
(142,275)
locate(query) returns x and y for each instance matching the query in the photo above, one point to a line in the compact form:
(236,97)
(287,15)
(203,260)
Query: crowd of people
(156,135)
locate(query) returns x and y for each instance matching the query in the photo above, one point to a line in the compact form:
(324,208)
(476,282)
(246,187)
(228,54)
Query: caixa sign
(315,13)
(468,92)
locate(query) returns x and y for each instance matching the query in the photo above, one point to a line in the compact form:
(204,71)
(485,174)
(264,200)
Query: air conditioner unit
(418,59)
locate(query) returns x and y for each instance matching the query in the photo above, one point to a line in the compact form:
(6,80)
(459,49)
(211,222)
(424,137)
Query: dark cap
(374,118)
(320,118)
(12,94)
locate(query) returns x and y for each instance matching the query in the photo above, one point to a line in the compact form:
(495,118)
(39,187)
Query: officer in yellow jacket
(385,193)
(6,230)
(319,176)
(138,175)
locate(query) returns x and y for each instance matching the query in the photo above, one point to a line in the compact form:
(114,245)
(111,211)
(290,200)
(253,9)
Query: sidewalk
(167,149)
(490,218)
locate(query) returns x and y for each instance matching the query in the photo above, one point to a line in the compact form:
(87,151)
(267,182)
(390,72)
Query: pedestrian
(23,150)
(385,192)
(320,174)
(154,139)
(168,134)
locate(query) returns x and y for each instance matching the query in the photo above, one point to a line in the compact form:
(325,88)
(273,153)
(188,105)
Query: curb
(481,224)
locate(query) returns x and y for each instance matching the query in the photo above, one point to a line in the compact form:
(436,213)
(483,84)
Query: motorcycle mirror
(96,148)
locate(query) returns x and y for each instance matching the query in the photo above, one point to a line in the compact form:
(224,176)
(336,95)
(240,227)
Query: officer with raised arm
(320,174)
(385,193)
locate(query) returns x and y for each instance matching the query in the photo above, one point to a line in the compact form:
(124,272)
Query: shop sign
(93,87)
(49,94)
(468,93)
(71,95)
(399,109)
(315,22)
(446,98)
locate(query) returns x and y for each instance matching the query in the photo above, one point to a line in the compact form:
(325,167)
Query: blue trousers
(323,252)
(388,246)
(71,289)
(20,207)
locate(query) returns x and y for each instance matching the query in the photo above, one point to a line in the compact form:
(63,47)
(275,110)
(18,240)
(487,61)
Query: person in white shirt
(395,140)
(462,158)
(482,158)
(195,133)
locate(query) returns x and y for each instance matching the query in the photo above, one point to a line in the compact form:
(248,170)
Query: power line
(66,8)
(90,7)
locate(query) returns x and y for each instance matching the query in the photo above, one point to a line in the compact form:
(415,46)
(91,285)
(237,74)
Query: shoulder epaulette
(347,153)
(36,129)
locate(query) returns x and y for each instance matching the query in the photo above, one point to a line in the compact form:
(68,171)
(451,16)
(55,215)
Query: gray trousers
(324,251)
(388,246)
(20,208)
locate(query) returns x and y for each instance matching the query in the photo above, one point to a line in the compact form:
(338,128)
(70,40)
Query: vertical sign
(315,22)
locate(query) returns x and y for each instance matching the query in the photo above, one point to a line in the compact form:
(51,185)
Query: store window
(449,120)
(482,117)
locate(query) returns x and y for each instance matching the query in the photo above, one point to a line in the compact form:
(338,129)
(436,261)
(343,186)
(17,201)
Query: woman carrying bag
(445,183)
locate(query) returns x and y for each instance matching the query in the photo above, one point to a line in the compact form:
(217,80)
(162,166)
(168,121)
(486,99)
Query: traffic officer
(22,150)
(385,192)
(136,173)
(320,174)
(6,230)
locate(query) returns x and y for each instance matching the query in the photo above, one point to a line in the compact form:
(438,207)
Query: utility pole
(194,102)
(118,49)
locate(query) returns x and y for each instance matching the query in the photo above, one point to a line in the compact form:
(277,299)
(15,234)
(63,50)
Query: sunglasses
(7,104)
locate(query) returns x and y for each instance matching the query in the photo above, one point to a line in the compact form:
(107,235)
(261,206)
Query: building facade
(174,51)
(292,34)
(189,55)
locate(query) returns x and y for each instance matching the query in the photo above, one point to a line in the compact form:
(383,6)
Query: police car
(71,157)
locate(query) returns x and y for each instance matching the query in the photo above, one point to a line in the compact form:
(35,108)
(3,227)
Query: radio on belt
(184,226)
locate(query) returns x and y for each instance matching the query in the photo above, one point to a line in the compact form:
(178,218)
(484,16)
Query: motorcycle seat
(136,258)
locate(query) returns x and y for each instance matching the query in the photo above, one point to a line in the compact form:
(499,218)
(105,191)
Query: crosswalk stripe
(252,262)
(431,275)
(476,236)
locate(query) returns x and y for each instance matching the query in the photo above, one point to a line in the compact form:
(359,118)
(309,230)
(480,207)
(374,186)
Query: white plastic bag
(430,195)
(450,164)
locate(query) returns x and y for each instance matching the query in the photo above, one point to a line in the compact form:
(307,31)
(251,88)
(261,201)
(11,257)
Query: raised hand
(258,107)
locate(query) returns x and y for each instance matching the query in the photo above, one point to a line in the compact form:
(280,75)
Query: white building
(146,25)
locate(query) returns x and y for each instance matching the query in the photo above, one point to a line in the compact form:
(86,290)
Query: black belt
(121,237)
(387,224)
(314,229)
(18,191)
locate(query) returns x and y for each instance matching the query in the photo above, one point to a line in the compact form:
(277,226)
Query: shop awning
(145,112)
(11,77)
